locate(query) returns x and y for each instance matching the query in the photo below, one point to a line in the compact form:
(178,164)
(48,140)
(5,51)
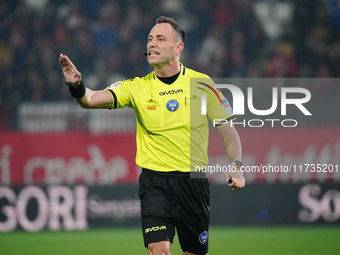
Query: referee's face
(162,45)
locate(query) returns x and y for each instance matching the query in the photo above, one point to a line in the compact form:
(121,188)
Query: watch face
(238,163)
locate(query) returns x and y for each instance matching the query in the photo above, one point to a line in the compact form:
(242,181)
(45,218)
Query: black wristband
(77,91)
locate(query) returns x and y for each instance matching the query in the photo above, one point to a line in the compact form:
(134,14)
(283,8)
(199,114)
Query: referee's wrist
(235,169)
(77,90)
(236,163)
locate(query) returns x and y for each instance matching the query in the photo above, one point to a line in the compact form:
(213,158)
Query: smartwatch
(237,163)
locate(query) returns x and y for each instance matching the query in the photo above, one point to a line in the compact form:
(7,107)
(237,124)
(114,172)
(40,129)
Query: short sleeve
(121,94)
(219,108)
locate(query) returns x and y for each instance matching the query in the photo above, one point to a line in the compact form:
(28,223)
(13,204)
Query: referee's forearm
(234,150)
(95,99)
(85,101)
(232,142)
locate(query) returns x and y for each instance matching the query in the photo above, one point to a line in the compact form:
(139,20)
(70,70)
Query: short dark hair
(175,25)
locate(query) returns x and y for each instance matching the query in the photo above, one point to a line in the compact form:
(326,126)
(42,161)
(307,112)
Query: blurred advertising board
(269,155)
(35,208)
(67,158)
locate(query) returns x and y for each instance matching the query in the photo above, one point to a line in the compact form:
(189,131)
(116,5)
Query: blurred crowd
(106,40)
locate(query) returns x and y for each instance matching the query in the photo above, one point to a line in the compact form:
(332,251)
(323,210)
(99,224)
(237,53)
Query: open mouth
(153,53)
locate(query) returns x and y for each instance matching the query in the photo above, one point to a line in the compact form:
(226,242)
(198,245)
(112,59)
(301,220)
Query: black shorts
(172,201)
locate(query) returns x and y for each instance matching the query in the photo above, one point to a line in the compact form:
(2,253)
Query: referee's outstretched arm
(234,151)
(85,97)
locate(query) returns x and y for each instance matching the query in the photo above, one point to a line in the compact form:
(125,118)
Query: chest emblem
(172,105)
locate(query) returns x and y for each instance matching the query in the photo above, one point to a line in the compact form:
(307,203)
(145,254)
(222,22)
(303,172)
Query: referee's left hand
(235,178)
(236,183)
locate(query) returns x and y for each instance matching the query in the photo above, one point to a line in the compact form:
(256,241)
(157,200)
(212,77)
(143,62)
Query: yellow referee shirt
(172,132)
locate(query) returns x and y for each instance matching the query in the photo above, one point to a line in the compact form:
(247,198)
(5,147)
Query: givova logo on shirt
(172,105)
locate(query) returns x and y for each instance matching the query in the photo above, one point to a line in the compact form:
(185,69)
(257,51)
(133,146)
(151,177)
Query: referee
(172,139)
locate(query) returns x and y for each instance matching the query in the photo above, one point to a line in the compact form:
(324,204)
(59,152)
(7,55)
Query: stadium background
(65,168)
